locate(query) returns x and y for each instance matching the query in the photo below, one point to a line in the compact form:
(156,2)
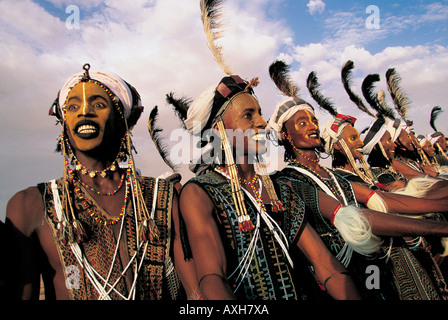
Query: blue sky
(159,46)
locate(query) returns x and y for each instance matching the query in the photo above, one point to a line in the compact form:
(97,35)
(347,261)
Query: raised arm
(398,203)
(208,252)
(406,170)
(386,224)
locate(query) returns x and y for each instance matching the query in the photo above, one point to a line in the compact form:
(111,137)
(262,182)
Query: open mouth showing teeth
(87,129)
(313,136)
(259,137)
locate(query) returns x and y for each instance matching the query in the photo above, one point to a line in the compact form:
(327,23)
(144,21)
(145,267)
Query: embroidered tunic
(323,227)
(386,176)
(156,278)
(270,276)
(356,264)
(409,277)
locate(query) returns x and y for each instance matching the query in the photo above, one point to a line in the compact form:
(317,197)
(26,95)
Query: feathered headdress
(279,73)
(401,101)
(313,85)
(333,128)
(435,112)
(180,106)
(210,15)
(367,91)
(346,77)
(154,132)
(436,135)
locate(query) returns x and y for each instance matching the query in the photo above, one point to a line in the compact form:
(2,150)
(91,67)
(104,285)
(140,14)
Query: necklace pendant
(83,171)
(103,174)
(92,174)
(113,167)
(78,167)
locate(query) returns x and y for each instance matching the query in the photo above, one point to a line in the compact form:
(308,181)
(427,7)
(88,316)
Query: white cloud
(421,69)
(316,6)
(157,46)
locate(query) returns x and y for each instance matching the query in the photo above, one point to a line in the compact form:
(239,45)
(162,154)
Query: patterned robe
(415,273)
(270,276)
(358,264)
(157,278)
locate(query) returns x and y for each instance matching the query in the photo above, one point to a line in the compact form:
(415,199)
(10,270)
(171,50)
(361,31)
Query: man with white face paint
(101,231)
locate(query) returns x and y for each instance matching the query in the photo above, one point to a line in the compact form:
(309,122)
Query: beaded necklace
(97,216)
(255,190)
(83,169)
(85,185)
(287,137)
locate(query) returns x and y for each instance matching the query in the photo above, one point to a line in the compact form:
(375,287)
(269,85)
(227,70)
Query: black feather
(313,85)
(180,106)
(367,91)
(401,101)
(279,73)
(346,77)
(154,133)
(435,112)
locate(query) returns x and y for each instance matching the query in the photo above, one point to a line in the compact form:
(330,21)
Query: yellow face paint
(88,115)
(84,99)
(308,117)
(303,129)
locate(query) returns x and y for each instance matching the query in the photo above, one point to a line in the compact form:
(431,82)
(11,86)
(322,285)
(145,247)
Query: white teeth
(313,135)
(259,137)
(86,129)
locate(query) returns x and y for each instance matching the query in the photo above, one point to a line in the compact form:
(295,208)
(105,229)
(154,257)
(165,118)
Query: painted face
(351,137)
(388,145)
(89,116)
(245,125)
(428,148)
(442,143)
(406,140)
(303,128)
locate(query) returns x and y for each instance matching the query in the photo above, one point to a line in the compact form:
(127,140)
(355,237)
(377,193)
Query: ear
(337,146)
(216,131)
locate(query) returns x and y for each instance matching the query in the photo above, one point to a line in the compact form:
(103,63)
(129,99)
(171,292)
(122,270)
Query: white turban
(112,81)
(394,126)
(329,134)
(199,111)
(374,134)
(283,111)
(422,140)
(433,137)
